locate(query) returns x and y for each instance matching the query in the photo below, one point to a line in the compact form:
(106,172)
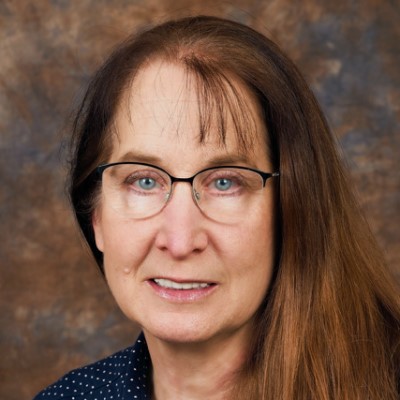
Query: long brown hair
(330,324)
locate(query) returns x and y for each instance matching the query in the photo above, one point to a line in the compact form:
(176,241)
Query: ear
(98,229)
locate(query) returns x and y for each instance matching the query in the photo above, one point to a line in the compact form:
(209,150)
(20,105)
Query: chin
(179,330)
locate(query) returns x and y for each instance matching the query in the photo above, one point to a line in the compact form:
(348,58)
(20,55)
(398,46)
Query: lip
(182,295)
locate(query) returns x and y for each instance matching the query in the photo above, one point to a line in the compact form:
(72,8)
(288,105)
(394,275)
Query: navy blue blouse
(124,375)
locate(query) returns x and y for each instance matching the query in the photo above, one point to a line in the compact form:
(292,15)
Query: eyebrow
(229,159)
(139,157)
(226,159)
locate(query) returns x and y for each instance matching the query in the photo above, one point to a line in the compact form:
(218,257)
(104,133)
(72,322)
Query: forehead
(169,110)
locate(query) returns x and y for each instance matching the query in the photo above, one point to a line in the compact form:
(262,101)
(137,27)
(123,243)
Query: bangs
(221,98)
(227,107)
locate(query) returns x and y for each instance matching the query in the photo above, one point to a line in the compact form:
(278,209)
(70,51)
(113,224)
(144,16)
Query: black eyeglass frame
(264,175)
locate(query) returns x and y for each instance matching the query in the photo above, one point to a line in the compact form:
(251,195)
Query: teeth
(166,283)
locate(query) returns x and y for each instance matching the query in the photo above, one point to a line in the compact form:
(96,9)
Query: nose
(182,232)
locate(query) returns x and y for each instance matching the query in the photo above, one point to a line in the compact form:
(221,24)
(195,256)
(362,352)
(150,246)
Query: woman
(208,187)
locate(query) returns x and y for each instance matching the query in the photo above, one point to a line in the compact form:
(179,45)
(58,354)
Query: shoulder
(124,375)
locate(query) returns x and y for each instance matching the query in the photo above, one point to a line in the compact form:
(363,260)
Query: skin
(197,344)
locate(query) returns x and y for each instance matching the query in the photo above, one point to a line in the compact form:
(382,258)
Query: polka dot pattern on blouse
(122,376)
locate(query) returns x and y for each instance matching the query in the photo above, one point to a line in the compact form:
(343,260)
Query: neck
(192,371)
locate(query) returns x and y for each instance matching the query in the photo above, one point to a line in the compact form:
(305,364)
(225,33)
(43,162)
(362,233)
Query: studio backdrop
(55,310)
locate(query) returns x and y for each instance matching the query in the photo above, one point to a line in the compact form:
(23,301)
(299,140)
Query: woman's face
(158,123)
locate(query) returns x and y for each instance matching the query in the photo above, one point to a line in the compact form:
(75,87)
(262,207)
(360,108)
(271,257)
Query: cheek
(255,247)
(255,238)
(125,242)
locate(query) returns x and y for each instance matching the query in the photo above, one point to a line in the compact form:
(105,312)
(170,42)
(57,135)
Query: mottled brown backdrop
(56,312)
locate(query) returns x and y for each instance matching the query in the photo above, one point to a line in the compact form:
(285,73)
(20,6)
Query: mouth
(168,284)
(182,291)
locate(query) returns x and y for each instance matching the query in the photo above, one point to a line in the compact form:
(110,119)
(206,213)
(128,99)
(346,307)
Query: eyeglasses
(224,194)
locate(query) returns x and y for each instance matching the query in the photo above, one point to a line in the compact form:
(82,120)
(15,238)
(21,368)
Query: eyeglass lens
(141,191)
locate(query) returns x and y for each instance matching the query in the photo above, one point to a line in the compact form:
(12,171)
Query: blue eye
(223,184)
(147,183)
